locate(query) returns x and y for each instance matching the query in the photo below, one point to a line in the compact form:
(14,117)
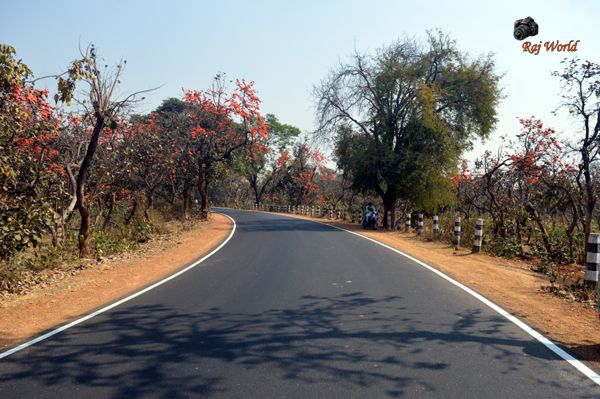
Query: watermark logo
(523,28)
(527,27)
(550,47)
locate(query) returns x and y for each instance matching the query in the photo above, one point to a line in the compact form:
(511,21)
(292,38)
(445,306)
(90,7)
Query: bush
(122,238)
(505,247)
(21,228)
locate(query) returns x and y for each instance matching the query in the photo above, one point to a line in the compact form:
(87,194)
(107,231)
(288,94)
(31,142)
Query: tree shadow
(589,352)
(352,339)
(283,224)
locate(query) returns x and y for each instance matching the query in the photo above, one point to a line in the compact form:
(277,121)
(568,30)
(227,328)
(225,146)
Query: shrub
(505,247)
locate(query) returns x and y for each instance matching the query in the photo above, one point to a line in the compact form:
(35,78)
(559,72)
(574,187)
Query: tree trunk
(571,228)
(129,217)
(84,228)
(173,198)
(111,207)
(186,199)
(253,180)
(389,204)
(203,189)
(539,222)
(149,203)
(590,202)
(60,218)
(98,214)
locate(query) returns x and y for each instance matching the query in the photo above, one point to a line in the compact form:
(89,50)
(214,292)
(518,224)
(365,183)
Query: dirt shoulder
(81,291)
(510,284)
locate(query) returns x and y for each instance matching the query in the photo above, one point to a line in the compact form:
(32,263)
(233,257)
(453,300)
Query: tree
(29,127)
(222,124)
(409,113)
(261,168)
(529,180)
(300,172)
(175,125)
(581,98)
(102,112)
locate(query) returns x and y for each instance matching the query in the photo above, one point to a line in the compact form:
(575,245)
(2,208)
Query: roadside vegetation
(83,176)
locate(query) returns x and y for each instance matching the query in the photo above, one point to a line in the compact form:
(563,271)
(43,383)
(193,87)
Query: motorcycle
(370,219)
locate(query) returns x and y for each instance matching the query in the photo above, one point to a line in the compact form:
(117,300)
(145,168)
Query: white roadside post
(407,223)
(436,227)
(456,241)
(478,237)
(592,259)
(360,217)
(389,220)
(420,224)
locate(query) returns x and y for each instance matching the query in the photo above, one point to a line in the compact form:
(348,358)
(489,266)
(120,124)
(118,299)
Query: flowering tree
(301,168)
(222,124)
(264,164)
(102,112)
(29,128)
(527,179)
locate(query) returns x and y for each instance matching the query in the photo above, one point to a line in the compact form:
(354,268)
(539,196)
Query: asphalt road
(294,309)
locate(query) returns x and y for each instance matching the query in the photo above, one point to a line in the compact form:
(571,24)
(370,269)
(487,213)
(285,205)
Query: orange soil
(508,283)
(56,302)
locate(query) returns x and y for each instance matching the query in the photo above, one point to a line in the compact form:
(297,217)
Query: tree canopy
(401,117)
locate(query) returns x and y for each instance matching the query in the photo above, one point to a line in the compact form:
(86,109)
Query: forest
(82,175)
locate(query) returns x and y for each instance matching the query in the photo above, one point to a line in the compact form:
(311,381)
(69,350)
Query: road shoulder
(47,306)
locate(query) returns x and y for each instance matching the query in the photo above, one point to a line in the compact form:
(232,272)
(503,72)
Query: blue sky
(288,46)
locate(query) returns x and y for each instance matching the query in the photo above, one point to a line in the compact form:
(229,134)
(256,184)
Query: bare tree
(103,109)
(581,98)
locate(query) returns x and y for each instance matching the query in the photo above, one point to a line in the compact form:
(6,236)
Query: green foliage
(108,243)
(505,247)
(21,228)
(403,116)
(25,129)
(13,72)
(281,135)
(121,239)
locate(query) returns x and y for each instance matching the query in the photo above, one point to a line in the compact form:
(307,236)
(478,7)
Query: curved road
(289,308)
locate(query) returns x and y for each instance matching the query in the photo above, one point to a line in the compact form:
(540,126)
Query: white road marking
(585,370)
(113,305)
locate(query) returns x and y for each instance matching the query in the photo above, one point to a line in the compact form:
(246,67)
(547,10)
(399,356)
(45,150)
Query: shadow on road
(357,339)
(283,223)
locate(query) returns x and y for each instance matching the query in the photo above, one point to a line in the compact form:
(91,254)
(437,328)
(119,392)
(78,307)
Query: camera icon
(524,28)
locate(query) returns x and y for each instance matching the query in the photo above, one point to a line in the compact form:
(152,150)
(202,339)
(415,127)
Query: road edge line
(547,342)
(80,320)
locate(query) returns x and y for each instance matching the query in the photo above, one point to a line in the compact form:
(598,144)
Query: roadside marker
(456,241)
(436,227)
(478,237)
(592,259)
